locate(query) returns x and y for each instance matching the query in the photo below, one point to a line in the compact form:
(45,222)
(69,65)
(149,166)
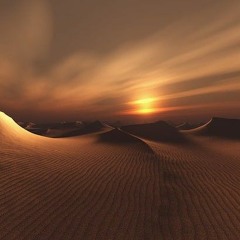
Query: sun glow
(144,106)
(144,101)
(146,110)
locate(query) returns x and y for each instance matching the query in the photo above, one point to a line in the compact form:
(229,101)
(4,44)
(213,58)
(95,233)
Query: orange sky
(66,60)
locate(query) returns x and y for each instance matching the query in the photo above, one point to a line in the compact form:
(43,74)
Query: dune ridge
(220,127)
(185,126)
(118,136)
(9,129)
(92,127)
(158,131)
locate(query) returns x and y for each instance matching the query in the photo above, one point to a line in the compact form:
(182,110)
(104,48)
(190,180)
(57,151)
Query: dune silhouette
(158,131)
(220,127)
(38,131)
(117,136)
(60,125)
(89,128)
(55,130)
(185,126)
(22,124)
(95,126)
(30,125)
(58,132)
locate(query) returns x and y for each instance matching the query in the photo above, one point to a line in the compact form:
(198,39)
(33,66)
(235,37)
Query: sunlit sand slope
(9,129)
(91,187)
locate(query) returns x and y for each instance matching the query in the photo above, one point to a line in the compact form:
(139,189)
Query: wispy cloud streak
(183,59)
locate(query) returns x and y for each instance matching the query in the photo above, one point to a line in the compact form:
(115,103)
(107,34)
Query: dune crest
(185,126)
(94,127)
(219,127)
(117,136)
(158,131)
(10,129)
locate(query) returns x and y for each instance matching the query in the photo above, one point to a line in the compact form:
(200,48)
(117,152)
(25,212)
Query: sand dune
(117,136)
(199,190)
(65,132)
(185,126)
(9,129)
(58,129)
(221,127)
(108,186)
(93,127)
(68,129)
(158,131)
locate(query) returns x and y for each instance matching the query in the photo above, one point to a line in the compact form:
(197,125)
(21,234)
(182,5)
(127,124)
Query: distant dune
(117,136)
(158,131)
(66,129)
(93,127)
(220,127)
(185,126)
(58,133)
(112,184)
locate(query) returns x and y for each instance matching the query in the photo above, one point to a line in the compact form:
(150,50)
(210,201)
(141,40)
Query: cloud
(184,59)
(25,29)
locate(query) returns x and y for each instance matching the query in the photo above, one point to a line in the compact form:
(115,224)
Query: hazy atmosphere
(65,60)
(119,119)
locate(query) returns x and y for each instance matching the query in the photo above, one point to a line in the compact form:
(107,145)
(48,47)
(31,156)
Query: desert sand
(139,182)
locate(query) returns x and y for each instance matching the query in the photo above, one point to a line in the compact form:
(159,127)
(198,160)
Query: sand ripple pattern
(85,188)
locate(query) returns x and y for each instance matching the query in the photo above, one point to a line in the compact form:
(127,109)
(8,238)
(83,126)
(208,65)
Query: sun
(145,106)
